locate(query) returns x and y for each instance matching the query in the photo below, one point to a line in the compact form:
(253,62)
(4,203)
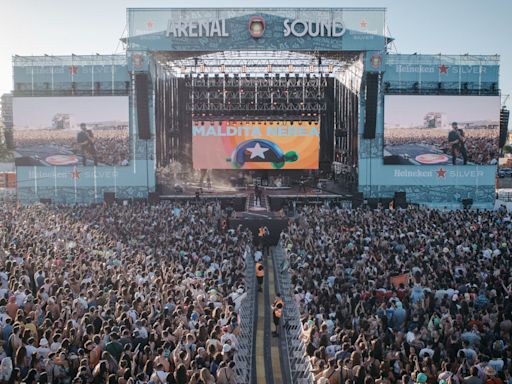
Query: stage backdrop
(429,130)
(255,145)
(47,130)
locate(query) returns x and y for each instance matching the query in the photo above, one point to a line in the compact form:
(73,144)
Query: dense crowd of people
(111,145)
(122,294)
(481,143)
(406,296)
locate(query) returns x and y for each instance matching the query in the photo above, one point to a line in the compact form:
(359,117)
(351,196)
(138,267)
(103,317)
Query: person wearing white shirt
(43,349)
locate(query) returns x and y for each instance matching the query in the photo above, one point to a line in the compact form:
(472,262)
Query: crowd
(481,144)
(121,294)
(112,145)
(404,296)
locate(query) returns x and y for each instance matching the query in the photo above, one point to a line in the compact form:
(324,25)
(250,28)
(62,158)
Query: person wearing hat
(421,378)
(43,349)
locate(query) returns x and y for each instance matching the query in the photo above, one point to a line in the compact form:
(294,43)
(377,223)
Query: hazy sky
(410,110)
(38,112)
(61,27)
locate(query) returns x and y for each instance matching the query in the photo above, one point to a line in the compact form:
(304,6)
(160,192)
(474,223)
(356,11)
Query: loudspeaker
(141,94)
(372,92)
(153,198)
(109,197)
(504,115)
(467,203)
(400,199)
(357,200)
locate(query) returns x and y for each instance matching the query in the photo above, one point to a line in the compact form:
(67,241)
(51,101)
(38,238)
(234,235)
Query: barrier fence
(300,370)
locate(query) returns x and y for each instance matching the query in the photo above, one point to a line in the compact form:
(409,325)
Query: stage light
(330,68)
(269,68)
(311,69)
(290,68)
(244,68)
(202,68)
(183,69)
(223,68)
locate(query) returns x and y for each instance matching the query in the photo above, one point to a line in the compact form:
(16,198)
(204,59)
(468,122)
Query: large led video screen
(441,130)
(85,131)
(255,144)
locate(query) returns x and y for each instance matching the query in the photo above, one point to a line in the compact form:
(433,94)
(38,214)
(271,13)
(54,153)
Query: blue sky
(94,26)
(30,112)
(411,110)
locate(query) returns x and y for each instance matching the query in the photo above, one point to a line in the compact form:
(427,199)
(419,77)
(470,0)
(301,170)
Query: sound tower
(357,200)
(504,115)
(109,197)
(467,203)
(372,92)
(400,200)
(153,197)
(141,92)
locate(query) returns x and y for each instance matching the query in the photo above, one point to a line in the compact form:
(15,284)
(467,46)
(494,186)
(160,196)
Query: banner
(255,144)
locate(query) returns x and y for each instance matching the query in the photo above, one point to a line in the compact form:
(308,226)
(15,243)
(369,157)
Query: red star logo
(443,69)
(150,24)
(75,174)
(441,172)
(73,69)
(363,24)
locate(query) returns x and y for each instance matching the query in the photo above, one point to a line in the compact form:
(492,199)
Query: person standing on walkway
(260,274)
(277,312)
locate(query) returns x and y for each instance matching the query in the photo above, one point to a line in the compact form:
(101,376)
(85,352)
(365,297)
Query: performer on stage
(457,139)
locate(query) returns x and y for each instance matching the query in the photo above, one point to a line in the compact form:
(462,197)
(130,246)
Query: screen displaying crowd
(71,130)
(404,296)
(423,130)
(126,294)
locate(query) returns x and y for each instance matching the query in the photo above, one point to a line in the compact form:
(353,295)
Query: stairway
(251,201)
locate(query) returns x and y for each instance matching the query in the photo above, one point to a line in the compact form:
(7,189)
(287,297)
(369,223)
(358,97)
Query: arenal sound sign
(217,28)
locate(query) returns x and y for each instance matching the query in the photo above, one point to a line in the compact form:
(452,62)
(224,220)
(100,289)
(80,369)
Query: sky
(30,112)
(411,110)
(58,27)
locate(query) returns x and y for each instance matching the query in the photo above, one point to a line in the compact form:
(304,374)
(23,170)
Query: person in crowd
(123,294)
(403,295)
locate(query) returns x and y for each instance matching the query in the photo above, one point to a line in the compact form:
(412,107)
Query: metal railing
(300,370)
(245,353)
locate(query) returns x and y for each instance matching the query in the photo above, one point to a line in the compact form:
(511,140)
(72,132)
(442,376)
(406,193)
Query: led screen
(57,131)
(433,130)
(255,145)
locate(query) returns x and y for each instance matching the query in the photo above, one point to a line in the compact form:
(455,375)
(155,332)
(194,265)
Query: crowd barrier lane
(244,355)
(299,366)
